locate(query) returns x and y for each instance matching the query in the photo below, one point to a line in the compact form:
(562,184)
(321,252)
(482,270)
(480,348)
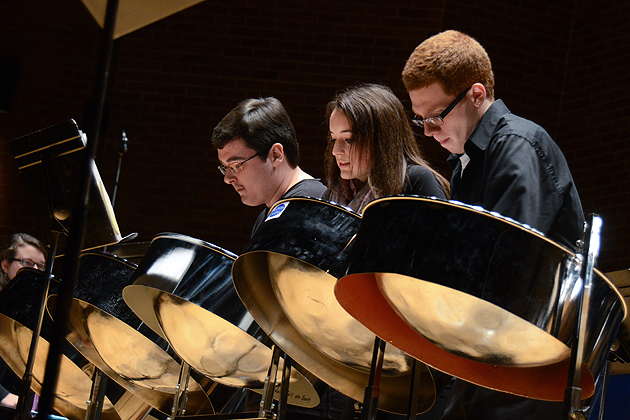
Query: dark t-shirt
(305,188)
(10,384)
(3,368)
(421,181)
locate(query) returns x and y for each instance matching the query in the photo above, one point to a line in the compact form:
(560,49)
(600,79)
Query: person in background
(20,250)
(372,151)
(501,162)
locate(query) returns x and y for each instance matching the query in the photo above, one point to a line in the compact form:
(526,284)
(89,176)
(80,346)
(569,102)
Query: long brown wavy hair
(381,129)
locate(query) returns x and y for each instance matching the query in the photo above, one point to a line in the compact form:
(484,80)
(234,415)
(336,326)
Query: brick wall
(562,64)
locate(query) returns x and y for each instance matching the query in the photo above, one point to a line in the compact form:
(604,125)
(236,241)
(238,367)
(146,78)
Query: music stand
(51,162)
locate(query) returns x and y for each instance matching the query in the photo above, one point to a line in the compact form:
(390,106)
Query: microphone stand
(123,146)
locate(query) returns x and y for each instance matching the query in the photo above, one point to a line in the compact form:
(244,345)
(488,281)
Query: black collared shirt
(517,170)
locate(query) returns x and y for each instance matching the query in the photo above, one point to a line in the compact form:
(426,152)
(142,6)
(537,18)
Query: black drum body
(183,290)
(193,270)
(104,330)
(476,295)
(19,311)
(286,279)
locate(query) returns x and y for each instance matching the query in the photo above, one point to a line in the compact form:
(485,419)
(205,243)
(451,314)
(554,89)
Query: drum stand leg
(412,407)
(372,390)
(97,396)
(604,391)
(181,392)
(589,251)
(284,387)
(266,402)
(266,411)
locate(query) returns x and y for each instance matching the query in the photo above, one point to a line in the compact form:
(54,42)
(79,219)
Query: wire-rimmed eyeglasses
(234,167)
(438,120)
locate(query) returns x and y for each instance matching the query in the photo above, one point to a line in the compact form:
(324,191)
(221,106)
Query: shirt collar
(481,135)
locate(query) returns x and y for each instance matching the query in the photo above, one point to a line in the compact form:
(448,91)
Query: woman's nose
(338,149)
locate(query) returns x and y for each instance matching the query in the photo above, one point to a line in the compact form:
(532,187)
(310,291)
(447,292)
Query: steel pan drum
(183,289)
(286,279)
(621,346)
(109,334)
(476,295)
(19,311)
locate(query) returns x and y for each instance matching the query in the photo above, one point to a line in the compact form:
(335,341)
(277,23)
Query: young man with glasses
(259,155)
(500,162)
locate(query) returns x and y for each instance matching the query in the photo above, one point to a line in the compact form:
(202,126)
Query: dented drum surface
(183,289)
(104,330)
(476,295)
(19,310)
(286,279)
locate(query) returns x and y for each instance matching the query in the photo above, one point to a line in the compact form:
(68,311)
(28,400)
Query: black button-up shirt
(517,170)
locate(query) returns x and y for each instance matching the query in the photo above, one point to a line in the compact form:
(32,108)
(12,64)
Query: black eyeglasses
(439,120)
(27,262)
(235,166)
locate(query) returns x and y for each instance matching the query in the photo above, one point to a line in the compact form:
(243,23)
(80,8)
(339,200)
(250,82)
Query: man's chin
(249,203)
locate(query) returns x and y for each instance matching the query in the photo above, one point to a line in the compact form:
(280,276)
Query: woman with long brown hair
(372,151)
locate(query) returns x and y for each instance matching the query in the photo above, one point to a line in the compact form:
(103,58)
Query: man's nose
(229,177)
(429,130)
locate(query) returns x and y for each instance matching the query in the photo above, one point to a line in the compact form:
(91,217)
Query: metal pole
(75,238)
(590,252)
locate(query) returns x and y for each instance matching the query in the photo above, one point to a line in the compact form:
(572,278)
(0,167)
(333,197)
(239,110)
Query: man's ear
(478,93)
(276,154)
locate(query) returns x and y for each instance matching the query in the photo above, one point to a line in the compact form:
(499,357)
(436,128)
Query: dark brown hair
(381,130)
(260,123)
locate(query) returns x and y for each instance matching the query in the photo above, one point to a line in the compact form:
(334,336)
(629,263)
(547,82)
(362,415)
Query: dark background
(563,64)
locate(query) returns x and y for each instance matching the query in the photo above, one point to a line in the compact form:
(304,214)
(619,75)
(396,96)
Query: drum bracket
(590,251)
